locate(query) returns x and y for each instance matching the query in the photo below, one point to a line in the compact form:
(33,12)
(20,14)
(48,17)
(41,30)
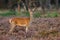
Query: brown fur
(19,22)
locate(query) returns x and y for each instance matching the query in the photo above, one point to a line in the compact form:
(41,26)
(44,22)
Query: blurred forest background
(46,7)
(48,4)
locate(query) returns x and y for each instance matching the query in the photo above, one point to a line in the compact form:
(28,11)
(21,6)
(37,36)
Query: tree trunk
(26,4)
(18,8)
(48,4)
(57,4)
(42,6)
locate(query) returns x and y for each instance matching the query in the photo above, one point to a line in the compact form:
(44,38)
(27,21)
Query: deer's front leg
(26,29)
(12,28)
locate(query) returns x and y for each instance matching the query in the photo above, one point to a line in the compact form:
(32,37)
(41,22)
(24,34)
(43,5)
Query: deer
(21,22)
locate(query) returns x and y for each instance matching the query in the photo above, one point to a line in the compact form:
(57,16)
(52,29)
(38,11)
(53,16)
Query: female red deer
(22,22)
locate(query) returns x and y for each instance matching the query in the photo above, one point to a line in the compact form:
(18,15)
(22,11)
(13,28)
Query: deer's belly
(21,25)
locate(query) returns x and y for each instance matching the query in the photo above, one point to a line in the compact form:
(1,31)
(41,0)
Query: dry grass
(41,29)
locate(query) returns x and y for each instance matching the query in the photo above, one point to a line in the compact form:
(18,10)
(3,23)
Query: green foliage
(19,1)
(27,14)
(18,14)
(9,13)
(54,14)
(37,15)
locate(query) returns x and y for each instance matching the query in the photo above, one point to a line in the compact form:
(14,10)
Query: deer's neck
(31,16)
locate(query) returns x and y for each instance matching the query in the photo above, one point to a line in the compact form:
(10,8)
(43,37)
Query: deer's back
(20,21)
